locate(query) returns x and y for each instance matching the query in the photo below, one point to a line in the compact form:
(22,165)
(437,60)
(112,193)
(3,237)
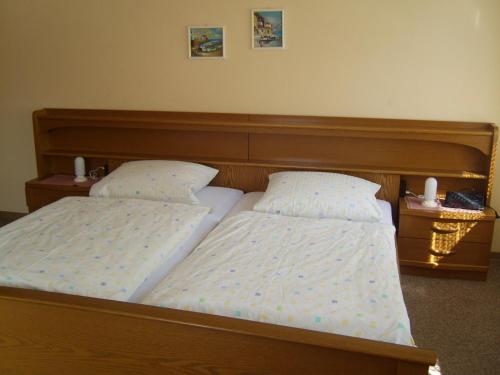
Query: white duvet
(95,247)
(320,274)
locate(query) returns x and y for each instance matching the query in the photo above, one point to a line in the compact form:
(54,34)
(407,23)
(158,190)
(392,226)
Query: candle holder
(430,193)
(80,169)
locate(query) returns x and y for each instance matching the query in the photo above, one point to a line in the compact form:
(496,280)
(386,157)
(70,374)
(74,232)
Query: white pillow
(159,180)
(320,195)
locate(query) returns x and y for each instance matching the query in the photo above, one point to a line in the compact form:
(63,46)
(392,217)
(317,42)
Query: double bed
(263,292)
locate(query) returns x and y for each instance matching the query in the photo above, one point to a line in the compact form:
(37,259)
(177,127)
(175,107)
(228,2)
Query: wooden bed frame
(41,332)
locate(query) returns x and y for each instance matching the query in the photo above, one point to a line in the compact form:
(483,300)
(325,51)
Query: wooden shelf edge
(488,214)
(237,126)
(254,120)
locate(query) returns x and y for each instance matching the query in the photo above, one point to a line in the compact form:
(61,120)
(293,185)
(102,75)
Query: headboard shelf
(120,116)
(298,165)
(247,147)
(243,125)
(475,135)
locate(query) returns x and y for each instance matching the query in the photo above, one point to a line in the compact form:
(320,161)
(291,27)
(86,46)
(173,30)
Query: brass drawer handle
(438,230)
(441,253)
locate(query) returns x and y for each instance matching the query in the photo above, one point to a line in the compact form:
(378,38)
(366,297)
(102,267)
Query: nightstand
(41,192)
(445,244)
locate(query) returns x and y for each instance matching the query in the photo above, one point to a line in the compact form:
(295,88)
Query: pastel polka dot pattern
(321,195)
(162,180)
(83,246)
(290,275)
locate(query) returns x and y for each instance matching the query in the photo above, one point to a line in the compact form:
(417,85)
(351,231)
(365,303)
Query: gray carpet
(458,319)
(4,222)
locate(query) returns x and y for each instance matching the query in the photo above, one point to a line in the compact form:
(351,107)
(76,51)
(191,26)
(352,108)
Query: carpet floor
(458,319)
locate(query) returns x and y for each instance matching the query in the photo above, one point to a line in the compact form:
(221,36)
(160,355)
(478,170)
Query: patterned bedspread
(321,274)
(95,247)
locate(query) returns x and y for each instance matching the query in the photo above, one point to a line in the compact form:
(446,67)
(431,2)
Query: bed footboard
(43,332)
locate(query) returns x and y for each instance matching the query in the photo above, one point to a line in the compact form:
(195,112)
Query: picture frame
(206,42)
(268,29)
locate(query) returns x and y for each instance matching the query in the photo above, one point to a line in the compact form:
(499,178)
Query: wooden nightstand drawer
(41,192)
(445,243)
(463,256)
(37,198)
(445,229)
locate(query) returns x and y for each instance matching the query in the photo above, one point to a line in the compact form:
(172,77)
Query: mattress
(326,275)
(105,248)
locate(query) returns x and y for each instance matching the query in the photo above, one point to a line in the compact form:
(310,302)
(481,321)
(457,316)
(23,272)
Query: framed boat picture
(268,28)
(206,42)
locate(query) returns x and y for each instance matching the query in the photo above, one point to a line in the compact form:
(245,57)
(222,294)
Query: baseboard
(7,216)
(495,255)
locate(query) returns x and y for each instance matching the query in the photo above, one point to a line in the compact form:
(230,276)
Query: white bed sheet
(221,201)
(247,202)
(321,274)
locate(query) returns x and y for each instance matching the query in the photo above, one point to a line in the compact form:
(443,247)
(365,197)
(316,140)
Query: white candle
(430,192)
(80,169)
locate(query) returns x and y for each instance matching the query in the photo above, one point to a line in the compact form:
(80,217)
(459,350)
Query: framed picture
(268,28)
(206,42)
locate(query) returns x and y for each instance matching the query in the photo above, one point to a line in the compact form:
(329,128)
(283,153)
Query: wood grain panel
(384,154)
(472,256)
(467,231)
(101,337)
(410,268)
(157,143)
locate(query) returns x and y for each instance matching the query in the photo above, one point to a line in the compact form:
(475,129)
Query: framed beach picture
(268,28)
(206,42)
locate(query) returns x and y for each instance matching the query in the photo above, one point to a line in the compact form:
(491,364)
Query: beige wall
(422,59)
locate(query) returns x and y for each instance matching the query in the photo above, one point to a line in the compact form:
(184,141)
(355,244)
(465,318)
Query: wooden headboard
(246,148)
